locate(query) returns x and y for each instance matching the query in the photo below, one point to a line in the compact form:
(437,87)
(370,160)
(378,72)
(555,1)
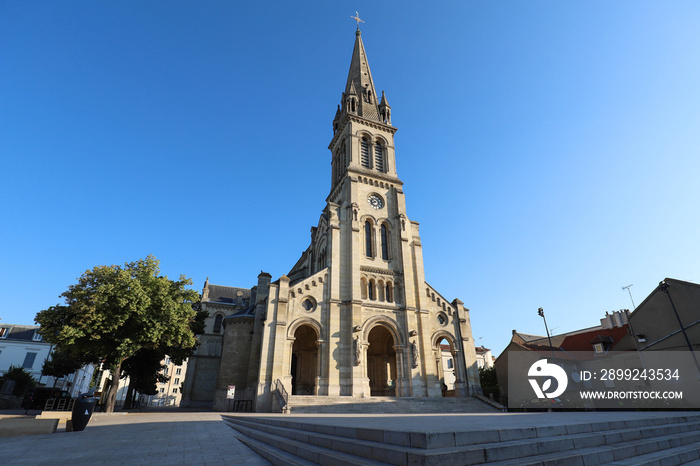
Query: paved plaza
(181,437)
(138,438)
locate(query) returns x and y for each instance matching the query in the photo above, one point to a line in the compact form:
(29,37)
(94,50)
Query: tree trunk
(112,396)
(129,402)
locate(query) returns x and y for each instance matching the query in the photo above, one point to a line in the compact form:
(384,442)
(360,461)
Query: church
(354,316)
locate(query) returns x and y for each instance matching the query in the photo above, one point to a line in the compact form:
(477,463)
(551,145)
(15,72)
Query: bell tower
(355,316)
(363,138)
(376,261)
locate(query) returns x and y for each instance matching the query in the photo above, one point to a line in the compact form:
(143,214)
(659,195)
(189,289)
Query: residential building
(23,346)
(668,319)
(168,393)
(484,358)
(572,350)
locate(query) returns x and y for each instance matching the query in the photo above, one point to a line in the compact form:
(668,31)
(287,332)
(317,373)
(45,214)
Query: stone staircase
(299,404)
(296,441)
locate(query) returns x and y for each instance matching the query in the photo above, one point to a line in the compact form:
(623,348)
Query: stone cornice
(379,271)
(358,119)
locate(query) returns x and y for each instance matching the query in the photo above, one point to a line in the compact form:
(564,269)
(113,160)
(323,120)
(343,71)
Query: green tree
(489,382)
(143,369)
(23,379)
(60,364)
(115,311)
(144,372)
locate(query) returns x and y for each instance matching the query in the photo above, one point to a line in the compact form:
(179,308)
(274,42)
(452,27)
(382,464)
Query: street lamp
(663,286)
(540,312)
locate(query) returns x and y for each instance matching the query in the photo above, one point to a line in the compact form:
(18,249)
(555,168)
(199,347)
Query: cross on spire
(357,18)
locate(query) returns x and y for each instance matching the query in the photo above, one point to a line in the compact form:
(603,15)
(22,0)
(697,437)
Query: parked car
(35,398)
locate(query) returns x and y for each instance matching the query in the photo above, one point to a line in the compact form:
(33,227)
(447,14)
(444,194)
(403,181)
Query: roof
(20,332)
(526,337)
(224,294)
(584,341)
(576,342)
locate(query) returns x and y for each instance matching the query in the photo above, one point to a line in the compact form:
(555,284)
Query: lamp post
(663,286)
(540,312)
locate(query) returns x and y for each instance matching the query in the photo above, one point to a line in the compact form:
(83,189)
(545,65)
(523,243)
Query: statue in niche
(414,354)
(357,348)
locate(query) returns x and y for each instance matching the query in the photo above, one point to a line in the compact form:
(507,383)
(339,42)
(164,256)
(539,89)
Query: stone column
(465,340)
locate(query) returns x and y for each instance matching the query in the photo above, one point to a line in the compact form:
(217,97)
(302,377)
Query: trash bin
(82,411)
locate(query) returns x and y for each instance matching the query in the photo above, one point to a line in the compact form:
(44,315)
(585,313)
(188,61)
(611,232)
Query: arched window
(389,292)
(378,157)
(214,348)
(364,153)
(385,242)
(343,157)
(368,239)
(372,293)
(217,323)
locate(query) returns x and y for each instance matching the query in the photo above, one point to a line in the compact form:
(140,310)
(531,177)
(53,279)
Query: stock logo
(543,369)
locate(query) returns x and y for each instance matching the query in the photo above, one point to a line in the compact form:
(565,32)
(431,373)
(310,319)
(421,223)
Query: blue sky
(548,149)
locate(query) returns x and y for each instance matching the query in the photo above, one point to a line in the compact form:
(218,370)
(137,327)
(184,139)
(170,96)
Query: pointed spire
(384,111)
(360,82)
(384,101)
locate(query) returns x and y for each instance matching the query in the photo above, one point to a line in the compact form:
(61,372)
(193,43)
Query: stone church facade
(354,316)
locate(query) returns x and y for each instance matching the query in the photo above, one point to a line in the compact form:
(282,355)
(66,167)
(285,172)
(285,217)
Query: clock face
(375,201)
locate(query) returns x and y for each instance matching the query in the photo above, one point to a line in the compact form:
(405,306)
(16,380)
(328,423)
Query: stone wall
(235,356)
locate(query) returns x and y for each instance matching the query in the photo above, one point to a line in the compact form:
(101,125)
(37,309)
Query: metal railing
(60,404)
(281,394)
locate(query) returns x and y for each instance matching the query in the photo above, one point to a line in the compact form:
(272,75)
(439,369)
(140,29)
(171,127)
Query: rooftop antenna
(628,290)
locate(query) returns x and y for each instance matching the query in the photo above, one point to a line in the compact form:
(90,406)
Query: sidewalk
(143,438)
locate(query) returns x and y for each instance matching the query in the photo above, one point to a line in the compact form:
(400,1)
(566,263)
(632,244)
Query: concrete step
(307,452)
(686,454)
(616,453)
(384,405)
(272,454)
(592,443)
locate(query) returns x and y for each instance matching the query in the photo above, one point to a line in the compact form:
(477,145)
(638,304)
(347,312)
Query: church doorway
(381,362)
(446,367)
(304,366)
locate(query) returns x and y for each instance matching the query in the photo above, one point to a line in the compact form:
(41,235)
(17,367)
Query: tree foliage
(23,379)
(113,312)
(60,364)
(489,382)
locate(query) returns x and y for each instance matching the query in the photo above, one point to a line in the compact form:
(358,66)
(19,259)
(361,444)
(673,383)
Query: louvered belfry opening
(378,157)
(364,153)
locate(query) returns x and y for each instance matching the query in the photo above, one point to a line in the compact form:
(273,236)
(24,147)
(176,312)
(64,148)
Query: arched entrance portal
(446,367)
(381,362)
(304,361)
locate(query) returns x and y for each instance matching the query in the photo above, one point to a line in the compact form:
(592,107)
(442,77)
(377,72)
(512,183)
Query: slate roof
(225,294)
(20,332)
